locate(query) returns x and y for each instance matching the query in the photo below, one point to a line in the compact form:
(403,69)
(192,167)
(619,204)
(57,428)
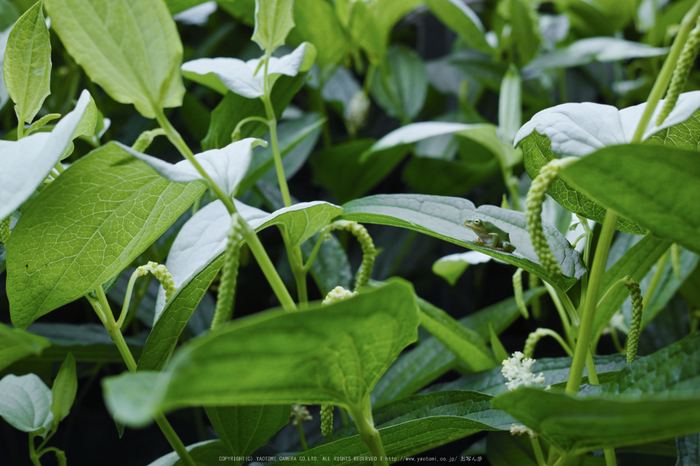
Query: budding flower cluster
(5,229)
(327,420)
(162,274)
(299,413)
(636,322)
(338,294)
(517,370)
(357,111)
(367,245)
(680,73)
(229,276)
(533,215)
(518,292)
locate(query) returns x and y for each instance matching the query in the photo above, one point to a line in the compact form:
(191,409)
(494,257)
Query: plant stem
(302,438)
(560,309)
(116,335)
(539,456)
(594,284)
(660,265)
(368,433)
(281,179)
(237,130)
(249,235)
(667,70)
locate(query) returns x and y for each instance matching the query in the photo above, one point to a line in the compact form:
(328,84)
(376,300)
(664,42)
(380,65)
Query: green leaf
(453,266)
(342,350)
(360,173)
(273,21)
(525,29)
(652,185)
(537,153)
(499,350)
(65,386)
(17,344)
(27,66)
(366,29)
(25,403)
(178,6)
(429,360)
(131,48)
(443,218)
(400,87)
(461,19)
(234,108)
(290,135)
(466,344)
(416,424)
(655,398)
(504,449)
(85,227)
(316,22)
(166,331)
(509,104)
(8,15)
(244,429)
(636,262)
(602,49)
(203,453)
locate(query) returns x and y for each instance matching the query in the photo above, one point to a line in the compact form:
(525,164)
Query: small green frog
(490,235)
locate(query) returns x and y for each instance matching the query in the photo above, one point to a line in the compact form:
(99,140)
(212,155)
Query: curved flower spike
(226,166)
(581,128)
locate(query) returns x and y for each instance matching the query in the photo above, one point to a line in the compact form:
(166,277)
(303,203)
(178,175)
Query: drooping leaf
(461,19)
(244,429)
(453,266)
(343,349)
(583,51)
(25,403)
(24,164)
(130,48)
(65,386)
(234,108)
(652,185)
(580,129)
(226,167)
(246,78)
(17,344)
(203,238)
(509,104)
(443,218)
(416,424)
(273,21)
(27,67)
(85,227)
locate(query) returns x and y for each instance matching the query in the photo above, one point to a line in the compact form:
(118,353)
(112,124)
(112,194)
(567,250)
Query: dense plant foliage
(149,148)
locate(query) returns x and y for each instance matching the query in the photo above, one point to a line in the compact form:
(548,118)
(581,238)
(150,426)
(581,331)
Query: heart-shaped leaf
(130,48)
(273,21)
(443,217)
(341,349)
(85,227)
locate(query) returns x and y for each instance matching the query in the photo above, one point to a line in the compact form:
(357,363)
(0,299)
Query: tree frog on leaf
(490,235)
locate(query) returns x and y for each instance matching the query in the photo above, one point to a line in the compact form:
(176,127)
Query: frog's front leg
(495,241)
(507,247)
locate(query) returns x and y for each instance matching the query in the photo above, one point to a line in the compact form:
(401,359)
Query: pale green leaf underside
(443,217)
(244,429)
(85,227)
(342,350)
(25,403)
(129,47)
(27,67)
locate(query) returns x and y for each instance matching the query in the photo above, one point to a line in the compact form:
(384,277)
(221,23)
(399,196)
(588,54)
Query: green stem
(560,309)
(655,280)
(300,428)
(368,433)
(116,335)
(539,456)
(20,130)
(667,70)
(556,336)
(594,284)
(610,459)
(32,452)
(281,179)
(314,252)
(249,235)
(237,131)
(127,299)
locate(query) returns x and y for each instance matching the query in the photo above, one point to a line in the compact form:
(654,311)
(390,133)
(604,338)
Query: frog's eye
(477,222)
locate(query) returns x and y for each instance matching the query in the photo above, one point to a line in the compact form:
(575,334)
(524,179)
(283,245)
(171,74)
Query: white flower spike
(517,370)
